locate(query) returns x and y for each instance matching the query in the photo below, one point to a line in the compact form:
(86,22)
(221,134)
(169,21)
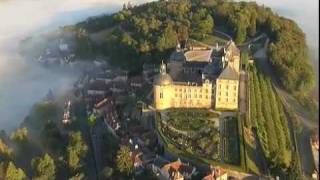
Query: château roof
(229,73)
(231,46)
(163,79)
(198,55)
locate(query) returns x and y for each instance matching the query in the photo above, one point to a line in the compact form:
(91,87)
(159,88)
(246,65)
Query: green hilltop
(149,32)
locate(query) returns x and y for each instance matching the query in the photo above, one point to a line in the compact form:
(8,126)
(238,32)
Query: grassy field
(213,39)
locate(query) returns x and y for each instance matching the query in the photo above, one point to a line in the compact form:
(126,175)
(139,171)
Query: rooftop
(198,55)
(178,166)
(229,73)
(215,173)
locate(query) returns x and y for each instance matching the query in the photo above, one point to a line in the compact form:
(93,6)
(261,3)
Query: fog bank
(23,83)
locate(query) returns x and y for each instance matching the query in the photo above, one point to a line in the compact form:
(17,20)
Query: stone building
(227,84)
(217,86)
(170,94)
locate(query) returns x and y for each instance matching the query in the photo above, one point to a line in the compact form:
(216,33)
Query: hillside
(149,32)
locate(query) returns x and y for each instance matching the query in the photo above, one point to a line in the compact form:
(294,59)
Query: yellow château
(219,93)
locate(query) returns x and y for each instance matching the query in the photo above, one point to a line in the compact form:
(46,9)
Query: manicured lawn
(193,130)
(213,39)
(171,147)
(191,119)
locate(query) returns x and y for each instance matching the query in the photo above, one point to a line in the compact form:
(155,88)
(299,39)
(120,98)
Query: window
(219,93)
(207,97)
(235,87)
(226,93)
(185,90)
(234,100)
(176,95)
(189,90)
(161,95)
(200,96)
(227,87)
(219,86)
(206,90)
(200,90)
(226,99)
(189,96)
(195,96)
(218,99)
(180,90)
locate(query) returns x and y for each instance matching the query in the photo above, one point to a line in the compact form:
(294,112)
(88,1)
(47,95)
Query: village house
(216,173)
(120,75)
(97,88)
(149,70)
(178,171)
(136,81)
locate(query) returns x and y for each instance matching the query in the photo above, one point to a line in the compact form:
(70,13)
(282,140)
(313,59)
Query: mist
(22,82)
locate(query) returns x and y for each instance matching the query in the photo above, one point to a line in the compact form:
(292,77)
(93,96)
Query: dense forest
(149,32)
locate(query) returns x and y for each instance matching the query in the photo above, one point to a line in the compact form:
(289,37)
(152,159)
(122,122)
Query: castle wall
(226,96)
(183,96)
(235,63)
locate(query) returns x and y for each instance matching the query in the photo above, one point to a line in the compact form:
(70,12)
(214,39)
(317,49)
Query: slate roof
(229,73)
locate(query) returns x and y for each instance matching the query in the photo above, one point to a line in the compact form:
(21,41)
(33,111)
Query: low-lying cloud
(22,82)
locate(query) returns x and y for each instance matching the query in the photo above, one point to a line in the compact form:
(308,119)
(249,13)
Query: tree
(92,120)
(202,24)
(5,151)
(44,168)
(124,160)
(168,39)
(51,137)
(13,173)
(252,25)
(244,58)
(76,150)
(50,96)
(183,32)
(21,134)
(106,173)
(206,25)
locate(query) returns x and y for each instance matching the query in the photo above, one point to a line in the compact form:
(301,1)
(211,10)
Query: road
(289,102)
(97,138)
(243,92)
(223,34)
